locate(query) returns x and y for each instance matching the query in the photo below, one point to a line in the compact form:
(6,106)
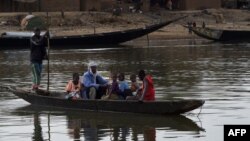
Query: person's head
(93,67)
(141,74)
(37,31)
(113,77)
(75,78)
(133,78)
(121,76)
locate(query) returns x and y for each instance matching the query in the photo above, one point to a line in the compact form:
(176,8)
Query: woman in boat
(37,55)
(113,88)
(95,85)
(147,91)
(74,87)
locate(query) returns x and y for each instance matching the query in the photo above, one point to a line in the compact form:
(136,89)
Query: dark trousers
(99,92)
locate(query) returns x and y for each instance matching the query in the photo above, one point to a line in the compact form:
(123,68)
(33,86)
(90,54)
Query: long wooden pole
(48,42)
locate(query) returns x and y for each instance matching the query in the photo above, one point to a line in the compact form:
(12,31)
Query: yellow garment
(111,96)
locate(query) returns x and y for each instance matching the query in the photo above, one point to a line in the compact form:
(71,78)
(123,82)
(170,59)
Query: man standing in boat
(95,85)
(37,55)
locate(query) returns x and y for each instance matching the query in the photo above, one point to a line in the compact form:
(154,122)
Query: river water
(186,69)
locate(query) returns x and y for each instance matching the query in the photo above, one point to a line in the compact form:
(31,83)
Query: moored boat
(224,35)
(160,107)
(83,41)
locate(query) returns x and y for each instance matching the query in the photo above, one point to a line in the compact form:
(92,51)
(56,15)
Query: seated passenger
(73,88)
(123,86)
(95,85)
(113,88)
(147,91)
(134,85)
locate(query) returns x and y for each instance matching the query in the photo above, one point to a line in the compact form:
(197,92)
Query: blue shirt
(123,85)
(88,80)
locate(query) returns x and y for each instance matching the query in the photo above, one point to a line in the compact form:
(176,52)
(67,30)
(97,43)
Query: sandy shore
(78,23)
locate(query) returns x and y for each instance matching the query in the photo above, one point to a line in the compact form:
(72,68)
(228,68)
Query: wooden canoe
(84,41)
(161,107)
(223,35)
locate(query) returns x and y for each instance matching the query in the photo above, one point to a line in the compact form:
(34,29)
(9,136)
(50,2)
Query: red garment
(150,92)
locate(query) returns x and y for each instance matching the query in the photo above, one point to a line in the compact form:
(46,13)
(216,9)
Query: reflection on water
(192,69)
(96,126)
(37,136)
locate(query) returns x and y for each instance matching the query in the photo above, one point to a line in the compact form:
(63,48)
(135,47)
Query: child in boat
(113,88)
(123,86)
(147,91)
(134,87)
(73,88)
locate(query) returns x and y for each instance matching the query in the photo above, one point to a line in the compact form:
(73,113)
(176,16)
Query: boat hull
(84,41)
(223,35)
(163,107)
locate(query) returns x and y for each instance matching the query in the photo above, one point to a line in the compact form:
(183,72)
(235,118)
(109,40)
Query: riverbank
(78,23)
